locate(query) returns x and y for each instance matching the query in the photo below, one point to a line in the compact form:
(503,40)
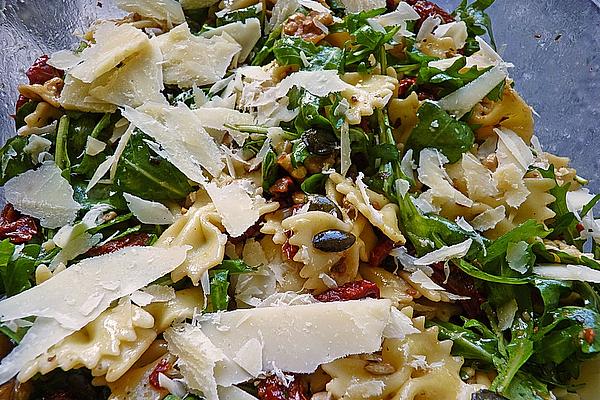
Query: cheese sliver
(75,95)
(187,145)
(246,33)
(235,206)
(233,393)
(114,43)
(217,117)
(137,80)
(318,83)
(356,6)
(148,212)
(29,194)
(299,338)
(194,60)
(464,99)
(162,10)
(43,334)
(92,284)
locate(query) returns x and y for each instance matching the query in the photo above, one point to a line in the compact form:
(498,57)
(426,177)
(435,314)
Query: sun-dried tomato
(135,239)
(40,71)
(380,252)
(282,187)
(162,367)
(60,395)
(350,291)
(589,335)
(289,250)
(461,284)
(429,9)
(16,227)
(272,388)
(404,85)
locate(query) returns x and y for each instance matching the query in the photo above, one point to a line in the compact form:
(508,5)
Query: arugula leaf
(437,129)
(524,386)
(89,164)
(452,78)
(269,170)
(552,291)
(99,194)
(314,184)
(288,49)
(17,266)
(61,155)
(266,47)
(477,20)
(475,272)
(241,15)
(467,343)
(527,232)
(24,111)
(143,173)
(421,229)
(219,282)
(519,350)
(13,159)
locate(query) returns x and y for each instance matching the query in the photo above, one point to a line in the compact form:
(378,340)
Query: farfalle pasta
(291,200)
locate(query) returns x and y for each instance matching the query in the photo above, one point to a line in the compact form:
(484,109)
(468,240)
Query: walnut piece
(308,27)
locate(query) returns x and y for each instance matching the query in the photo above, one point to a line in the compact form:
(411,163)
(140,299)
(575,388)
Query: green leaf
(89,164)
(234,267)
(143,173)
(525,386)
(519,351)
(477,20)
(528,231)
(451,79)
(269,170)
(299,153)
(219,284)
(552,291)
(439,130)
(314,184)
(14,160)
(241,15)
(23,112)
(61,155)
(99,194)
(288,49)
(266,48)
(475,272)
(466,343)
(17,267)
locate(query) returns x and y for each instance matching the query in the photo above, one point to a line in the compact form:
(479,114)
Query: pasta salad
(291,199)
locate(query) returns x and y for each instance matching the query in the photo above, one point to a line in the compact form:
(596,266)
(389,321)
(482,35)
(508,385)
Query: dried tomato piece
(461,284)
(135,239)
(429,9)
(282,187)
(589,335)
(162,367)
(40,71)
(350,291)
(16,227)
(404,85)
(381,251)
(272,388)
(289,250)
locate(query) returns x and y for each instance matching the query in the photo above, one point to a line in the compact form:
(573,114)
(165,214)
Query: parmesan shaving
(234,205)
(445,253)
(464,99)
(568,273)
(29,194)
(148,212)
(162,10)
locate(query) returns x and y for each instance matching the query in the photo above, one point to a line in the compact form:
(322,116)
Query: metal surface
(555,45)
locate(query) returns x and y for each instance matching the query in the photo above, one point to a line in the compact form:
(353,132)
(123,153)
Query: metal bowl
(554,44)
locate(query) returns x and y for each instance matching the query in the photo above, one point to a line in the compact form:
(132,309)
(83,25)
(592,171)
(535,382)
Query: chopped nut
(381,368)
(490,162)
(304,26)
